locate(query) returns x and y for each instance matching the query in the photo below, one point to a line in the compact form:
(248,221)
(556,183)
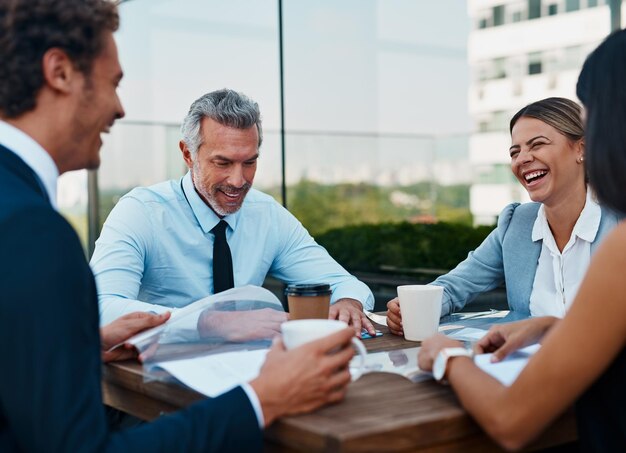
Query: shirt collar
(586,227)
(33,155)
(206,217)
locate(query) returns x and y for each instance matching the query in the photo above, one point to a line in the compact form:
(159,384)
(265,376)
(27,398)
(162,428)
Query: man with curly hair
(59,73)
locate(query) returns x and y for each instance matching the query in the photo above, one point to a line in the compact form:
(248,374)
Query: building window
(497,121)
(534,9)
(482,23)
(553,9)
(498,15)
(516,16)
(499,68)
(534,63)
(592,3)
(572,5)
(572,58)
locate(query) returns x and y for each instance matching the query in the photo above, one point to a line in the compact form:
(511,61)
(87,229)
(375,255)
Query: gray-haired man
(156,250)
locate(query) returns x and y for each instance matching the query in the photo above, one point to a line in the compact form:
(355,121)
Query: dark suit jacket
(50,397)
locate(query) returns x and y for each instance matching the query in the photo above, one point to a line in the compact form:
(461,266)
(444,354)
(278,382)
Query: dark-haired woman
(541,250)
(583,356)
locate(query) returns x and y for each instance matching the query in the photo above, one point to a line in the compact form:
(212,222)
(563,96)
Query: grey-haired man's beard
(211,197)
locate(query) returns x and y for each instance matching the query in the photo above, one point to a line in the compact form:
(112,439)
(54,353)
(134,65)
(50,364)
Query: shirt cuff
(256,404)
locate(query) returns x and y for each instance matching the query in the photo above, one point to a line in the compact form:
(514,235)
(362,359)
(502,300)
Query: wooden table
(381,412)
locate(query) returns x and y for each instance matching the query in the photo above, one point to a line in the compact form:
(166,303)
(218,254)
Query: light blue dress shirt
(155,251)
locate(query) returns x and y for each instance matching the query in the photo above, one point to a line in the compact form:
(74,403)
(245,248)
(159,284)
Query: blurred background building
(520,51)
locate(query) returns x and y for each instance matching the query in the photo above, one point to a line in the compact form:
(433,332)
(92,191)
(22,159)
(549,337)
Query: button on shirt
(155,250)
(559,274)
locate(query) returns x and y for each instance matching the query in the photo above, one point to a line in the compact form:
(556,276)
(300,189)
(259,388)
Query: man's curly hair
(29,28)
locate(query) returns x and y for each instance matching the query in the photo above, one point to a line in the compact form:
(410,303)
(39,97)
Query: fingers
(330,342)
(118,354)
(339,359)
(394,306)
(156,320)
(338,381)
(394,324)
(355,321)
(424,360)
(503,351)
(498,341)
(149,352)
(492,340)
(344,315)
(394,317)
(367,325)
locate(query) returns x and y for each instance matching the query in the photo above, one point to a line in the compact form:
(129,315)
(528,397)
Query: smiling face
(224,166)
(545,161)
(97,106)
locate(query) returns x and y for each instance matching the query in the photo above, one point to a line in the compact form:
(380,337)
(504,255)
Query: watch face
(439,367)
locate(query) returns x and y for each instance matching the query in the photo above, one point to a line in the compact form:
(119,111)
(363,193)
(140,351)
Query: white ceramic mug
(301,331)
(420,306)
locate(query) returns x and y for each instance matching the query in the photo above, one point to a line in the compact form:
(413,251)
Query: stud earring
(580,160)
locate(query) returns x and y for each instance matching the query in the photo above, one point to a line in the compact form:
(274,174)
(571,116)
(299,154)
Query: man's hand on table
(241,326)
(122,329)
(430,349)
(394,317)
(503,339)
(350,311)
(304,378)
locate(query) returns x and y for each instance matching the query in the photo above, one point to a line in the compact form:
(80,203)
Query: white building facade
(520,51)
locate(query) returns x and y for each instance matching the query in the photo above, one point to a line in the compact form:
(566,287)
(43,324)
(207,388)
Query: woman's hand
(394,317)
(503,339)
(431,347)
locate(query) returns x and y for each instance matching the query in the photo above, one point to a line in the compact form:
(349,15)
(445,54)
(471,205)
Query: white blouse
(559,274)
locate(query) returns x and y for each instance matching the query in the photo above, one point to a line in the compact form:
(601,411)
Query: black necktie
(222,260)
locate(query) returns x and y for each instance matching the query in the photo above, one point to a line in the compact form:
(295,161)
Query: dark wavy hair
(29,28)
(602,89)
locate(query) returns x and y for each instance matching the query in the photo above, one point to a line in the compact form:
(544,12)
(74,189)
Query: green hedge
(402,245)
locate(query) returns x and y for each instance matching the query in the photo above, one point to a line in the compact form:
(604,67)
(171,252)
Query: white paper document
(182,325)
(468,334)
(215,374)
(398,361)
(506,371)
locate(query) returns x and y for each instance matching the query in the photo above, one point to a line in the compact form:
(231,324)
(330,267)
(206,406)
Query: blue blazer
(508,255)
(50,396)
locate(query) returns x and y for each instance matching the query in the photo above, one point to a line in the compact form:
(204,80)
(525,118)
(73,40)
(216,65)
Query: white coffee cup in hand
(298,332)
(420,306)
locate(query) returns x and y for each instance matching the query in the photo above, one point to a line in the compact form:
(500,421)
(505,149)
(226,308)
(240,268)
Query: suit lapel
(15,165)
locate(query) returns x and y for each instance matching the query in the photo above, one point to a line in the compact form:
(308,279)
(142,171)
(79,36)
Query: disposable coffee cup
(300,332)
(420,306)
(308,301)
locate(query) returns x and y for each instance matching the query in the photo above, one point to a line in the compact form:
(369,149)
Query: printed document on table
(182,325)
(507,370)
(215,374)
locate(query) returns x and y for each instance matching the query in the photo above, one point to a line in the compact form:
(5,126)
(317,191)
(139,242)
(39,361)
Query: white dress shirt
(559,274)
(34,156)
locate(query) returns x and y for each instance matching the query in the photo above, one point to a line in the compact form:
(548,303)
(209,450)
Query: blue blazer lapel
(520,257)
(16,166)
